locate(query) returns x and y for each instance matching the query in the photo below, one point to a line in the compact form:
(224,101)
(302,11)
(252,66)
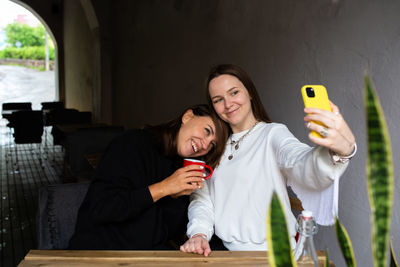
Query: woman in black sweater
(139,196)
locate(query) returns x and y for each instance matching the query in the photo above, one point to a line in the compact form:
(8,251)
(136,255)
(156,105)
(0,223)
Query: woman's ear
(187,116)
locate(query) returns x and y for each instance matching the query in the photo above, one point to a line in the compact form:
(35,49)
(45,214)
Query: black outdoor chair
(48,109)
(28,126)
(62,116)
(52,105)
(28,129)
(57,213)
(68,116)
(15,106)
(9,108)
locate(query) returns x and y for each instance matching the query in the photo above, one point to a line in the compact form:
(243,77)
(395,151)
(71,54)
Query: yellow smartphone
(315,96)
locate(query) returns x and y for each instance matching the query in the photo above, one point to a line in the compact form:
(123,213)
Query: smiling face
(197,135)
(232,102)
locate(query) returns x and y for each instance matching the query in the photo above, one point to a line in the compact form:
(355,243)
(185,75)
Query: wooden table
(7,113)
(101,258)
(70,128)
(60,131)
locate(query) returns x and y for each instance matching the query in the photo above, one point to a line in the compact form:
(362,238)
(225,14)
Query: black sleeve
(120,190)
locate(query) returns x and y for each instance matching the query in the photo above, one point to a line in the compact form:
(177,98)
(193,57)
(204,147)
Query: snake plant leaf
(379,175)
(326,264)
(345,244)
(393,261)
(279,251)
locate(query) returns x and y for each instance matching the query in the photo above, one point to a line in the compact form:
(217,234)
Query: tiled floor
(19,183)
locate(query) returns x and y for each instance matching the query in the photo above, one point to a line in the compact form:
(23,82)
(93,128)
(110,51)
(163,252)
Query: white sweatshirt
(236,198)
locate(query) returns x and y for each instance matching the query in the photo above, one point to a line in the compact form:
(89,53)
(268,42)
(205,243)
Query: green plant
(380,180)
(28,52)
(326,263)
(24,34)
(345,244)
(279,251)
(379,175)
(33,52)
(393,261)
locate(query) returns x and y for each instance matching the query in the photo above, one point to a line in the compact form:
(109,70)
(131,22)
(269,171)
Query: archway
(56,46)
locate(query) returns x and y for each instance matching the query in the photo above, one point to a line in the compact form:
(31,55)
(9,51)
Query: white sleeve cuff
(193,230)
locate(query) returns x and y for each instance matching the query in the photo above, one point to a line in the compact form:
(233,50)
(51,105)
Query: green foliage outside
(31,42)
(30,52)
(24,34)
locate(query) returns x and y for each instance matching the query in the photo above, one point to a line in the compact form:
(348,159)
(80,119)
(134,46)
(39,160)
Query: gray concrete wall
(79,58)
(162,51)
(103,11)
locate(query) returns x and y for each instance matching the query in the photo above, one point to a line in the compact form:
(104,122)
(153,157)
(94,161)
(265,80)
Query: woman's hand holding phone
(327,125)
(315,96)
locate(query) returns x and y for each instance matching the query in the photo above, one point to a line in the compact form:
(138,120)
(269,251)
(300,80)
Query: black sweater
(118,211)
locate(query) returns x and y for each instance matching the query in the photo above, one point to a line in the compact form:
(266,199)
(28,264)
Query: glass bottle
(306,228)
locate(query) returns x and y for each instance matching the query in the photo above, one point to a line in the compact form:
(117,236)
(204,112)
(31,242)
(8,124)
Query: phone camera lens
(310,92)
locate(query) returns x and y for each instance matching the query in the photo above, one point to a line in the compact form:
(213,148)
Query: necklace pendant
(236,143)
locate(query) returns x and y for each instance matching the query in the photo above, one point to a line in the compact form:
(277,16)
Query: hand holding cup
(188,162)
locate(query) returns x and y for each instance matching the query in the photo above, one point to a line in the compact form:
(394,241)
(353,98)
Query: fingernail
(204,174)
(203,179)
(201,167)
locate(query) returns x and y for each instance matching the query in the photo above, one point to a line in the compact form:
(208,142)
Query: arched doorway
(40,85)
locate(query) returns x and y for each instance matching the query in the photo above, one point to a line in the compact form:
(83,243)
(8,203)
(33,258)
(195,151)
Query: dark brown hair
(168,133)
(258,109)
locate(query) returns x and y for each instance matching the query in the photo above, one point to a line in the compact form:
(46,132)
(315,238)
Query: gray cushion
(57,214)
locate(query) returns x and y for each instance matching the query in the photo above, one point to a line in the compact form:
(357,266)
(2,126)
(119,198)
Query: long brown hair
(258,109)
(167,134)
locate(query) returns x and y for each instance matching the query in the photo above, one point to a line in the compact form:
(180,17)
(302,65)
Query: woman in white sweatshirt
(262,157)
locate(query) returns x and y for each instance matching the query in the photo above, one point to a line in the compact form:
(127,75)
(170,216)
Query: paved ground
(20,84)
